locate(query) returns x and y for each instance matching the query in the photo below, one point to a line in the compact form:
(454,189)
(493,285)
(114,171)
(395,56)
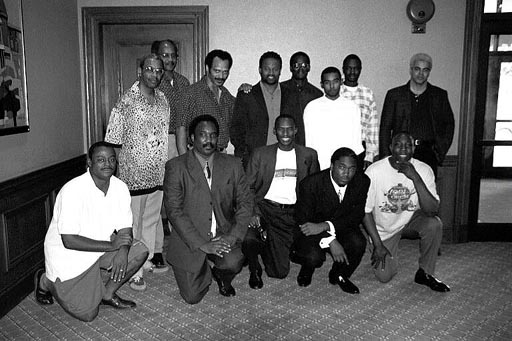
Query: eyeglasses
(151,69)
(297,66)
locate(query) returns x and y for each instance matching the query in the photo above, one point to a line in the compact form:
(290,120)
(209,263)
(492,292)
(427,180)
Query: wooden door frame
(93,18)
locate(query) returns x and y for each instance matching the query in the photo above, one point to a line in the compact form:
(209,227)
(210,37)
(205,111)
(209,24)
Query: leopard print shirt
(141,130)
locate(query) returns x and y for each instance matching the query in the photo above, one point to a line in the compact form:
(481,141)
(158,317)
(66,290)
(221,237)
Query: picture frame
(14,116)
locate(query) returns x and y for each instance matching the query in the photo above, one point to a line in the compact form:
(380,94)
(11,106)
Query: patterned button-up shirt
(172,89)
(198,99)
(141,128)
(363,96)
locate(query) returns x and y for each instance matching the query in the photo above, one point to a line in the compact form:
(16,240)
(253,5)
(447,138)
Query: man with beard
(423,110)
(255,111)
(403,203)
(208,96)
(363,97)
(208,201)
(139,125)
(90,232)
(273,173)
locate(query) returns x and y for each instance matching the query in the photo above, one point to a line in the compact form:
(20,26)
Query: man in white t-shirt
(402,202)
(332,121)
(91,229)
(273,174)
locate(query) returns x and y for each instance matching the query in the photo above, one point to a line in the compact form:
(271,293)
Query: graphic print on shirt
(398,200)
(285,173)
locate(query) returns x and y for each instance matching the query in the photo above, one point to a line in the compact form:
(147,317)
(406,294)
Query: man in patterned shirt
(363,96)
(139,124)
(208,97)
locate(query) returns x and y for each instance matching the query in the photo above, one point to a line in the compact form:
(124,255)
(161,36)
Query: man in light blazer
(273,173)
(208,202)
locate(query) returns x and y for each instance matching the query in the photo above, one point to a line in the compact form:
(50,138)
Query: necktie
(207,171)
(340,195)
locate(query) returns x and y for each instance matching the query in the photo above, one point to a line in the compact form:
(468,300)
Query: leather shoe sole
(344,283)
(304,280)
(119,303)
(430,281)
(43,297)
(224,289)
(255,281)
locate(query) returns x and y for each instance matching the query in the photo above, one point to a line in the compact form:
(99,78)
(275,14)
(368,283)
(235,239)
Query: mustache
(208,144)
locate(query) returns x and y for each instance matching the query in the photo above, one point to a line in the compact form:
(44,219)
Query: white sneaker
(137,283)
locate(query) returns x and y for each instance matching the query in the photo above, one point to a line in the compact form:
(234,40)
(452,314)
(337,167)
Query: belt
(425,143)
(276,204)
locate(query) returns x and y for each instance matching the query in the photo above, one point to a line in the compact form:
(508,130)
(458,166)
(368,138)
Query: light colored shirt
(363,97)
(141,128)
(83,209)
(209,177)
(282,187)
(392,197)
(332,124)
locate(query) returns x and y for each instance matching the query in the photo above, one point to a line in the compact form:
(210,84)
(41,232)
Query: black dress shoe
(304,277)
(255,280)
(119,303)
(430,281)
(225,289)
(344,283)
(43,297)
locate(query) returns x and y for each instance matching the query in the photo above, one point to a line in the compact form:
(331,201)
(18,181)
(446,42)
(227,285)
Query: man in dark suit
(421,109)
(273,173)
(208,202)
(254,112)
(330,206)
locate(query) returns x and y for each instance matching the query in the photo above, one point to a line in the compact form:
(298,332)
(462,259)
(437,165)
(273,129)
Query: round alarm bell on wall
(420,12)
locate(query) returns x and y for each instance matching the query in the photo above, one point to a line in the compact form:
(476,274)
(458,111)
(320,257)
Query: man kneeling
(91,229)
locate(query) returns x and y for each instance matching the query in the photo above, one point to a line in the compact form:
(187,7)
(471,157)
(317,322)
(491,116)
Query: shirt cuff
(324,242)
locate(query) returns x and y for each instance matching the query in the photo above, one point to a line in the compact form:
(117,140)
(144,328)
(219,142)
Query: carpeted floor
(479,306)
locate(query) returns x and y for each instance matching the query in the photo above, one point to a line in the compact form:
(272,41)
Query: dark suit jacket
(262,164)
(249,126)
(396,114)
(188,202)
(318,202)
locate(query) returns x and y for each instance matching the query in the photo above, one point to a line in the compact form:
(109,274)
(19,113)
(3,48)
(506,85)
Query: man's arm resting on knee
(379,250)
(81,243)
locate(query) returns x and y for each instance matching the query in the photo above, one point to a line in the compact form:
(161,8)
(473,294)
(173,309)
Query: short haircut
(150,56)
(342,152)
(224,55)
(330,69)
(201,118)
(421,57)
(273,55)
(400,133)
(284,116)
(97,145)
(298,54)
(352,57)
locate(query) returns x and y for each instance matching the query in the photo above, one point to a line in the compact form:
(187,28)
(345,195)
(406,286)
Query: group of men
(309,169)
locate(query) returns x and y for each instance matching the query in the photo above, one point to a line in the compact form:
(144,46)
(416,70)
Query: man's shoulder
(227,160)
(376,168)
(180,79)
(435,90)
(307,151)
(316,102)
(399,89)
(316,179)
(255,91)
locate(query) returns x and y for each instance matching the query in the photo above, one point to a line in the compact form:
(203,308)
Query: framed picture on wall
(13,86)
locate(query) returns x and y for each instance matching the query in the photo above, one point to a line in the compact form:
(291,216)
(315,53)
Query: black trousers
(275,251)
(307,252)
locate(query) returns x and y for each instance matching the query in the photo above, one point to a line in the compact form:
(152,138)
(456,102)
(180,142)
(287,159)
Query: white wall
(377,30)
(53,91)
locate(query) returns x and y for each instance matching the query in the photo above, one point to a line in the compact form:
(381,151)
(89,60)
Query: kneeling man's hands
(216,246)
(337,252)
(312,229)
(120,239)
(119,265)
(379,256)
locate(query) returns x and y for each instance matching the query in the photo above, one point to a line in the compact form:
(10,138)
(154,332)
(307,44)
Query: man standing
(273,173)
(332,121)
(208,96)
(209,204)
(363,97)
(139,125)
(421,109)
(91,229)
(329,209)
(403,202)
(255,111)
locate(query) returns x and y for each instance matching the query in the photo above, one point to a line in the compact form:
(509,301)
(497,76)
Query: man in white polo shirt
(91,229)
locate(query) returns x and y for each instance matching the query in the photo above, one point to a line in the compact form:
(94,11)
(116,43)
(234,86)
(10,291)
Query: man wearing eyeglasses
(139,125)
(255,111)
(302,91)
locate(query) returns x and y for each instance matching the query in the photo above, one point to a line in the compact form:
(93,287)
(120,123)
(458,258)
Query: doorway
(490,204)
(115,37)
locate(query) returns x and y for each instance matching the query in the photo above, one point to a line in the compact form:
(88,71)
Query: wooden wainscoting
(446,188)
(26,206)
